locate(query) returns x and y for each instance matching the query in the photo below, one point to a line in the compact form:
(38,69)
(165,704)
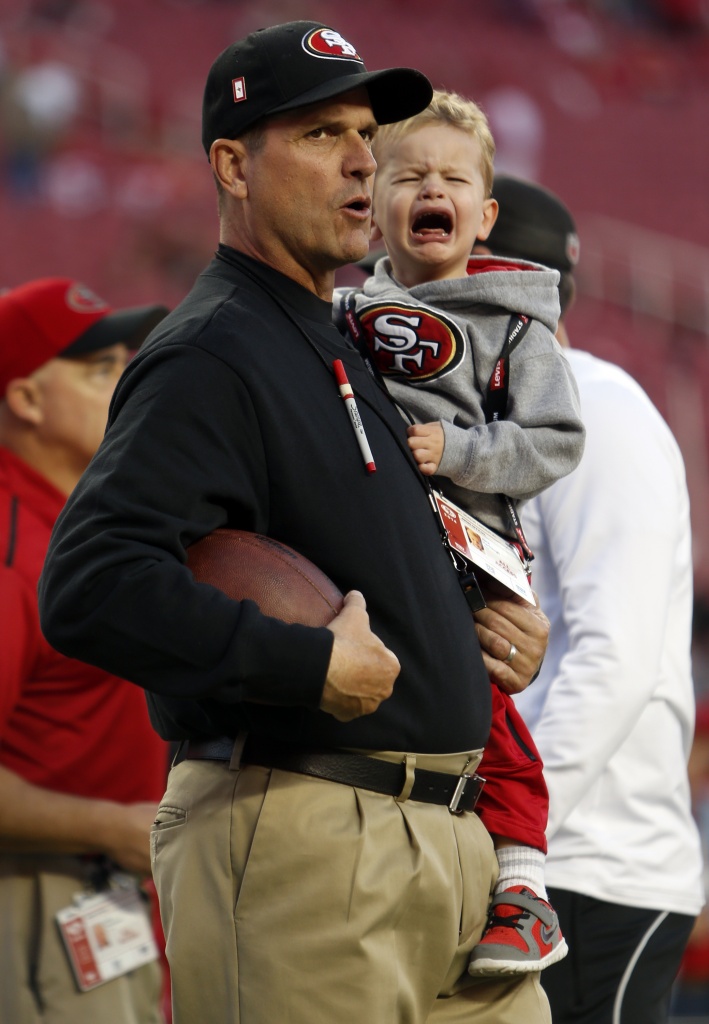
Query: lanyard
(498,388)
(346,318)
(288,314)
(347,321)
(495,407)
(350,321)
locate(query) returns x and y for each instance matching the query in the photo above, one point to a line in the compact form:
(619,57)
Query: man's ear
(490,210)
(23,398)
(228,159)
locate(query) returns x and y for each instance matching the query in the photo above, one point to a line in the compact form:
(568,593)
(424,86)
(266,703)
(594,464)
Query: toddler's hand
(426,441)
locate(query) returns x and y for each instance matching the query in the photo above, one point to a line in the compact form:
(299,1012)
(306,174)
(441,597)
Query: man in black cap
(316,853)
(612,710)
(81,770)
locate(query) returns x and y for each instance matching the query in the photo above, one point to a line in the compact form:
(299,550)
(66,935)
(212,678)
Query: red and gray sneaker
(522,935)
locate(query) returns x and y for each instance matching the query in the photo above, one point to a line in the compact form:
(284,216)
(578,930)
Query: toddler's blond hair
(445,108)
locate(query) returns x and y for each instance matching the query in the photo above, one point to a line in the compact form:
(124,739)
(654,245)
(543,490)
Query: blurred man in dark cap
(612,711)
(81,770)
(535,225)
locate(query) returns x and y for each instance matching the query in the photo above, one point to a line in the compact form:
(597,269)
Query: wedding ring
(510,656)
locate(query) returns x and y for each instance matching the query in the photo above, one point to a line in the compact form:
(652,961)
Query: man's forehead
(97,355)
(354,103)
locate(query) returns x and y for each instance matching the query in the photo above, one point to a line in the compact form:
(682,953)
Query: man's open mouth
(431,225)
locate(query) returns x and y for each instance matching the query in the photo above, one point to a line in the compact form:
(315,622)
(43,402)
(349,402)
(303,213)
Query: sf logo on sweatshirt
(411,342)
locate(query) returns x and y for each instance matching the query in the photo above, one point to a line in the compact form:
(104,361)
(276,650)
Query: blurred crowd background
(606,102)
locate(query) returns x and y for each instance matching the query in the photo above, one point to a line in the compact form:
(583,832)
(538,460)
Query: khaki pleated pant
(293,900)
(36,982)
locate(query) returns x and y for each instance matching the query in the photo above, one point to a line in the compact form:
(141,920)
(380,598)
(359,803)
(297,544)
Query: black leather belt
(459,792)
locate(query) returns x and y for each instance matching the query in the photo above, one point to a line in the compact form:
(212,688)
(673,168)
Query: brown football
(282,582)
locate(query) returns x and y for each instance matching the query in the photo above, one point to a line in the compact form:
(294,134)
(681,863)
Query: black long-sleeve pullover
(230,416)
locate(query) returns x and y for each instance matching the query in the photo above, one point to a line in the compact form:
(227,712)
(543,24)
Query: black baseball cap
(532,224)
(287,66)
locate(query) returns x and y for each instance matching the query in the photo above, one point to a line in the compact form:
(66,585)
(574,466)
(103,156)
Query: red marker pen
(348,395)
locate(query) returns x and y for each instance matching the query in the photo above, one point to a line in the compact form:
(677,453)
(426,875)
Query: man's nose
(360,161)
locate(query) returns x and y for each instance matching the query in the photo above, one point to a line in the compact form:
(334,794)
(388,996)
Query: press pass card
(107,934)
(484,548)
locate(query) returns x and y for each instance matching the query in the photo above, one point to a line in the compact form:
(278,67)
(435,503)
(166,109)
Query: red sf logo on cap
(573,248)
(82,300)
(412,341)
(325,42)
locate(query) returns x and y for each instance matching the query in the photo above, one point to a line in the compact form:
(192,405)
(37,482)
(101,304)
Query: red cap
(57,316)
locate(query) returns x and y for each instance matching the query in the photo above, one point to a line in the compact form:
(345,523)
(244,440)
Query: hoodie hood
(511,284)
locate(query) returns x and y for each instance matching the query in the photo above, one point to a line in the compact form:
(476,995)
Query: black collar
(301,300)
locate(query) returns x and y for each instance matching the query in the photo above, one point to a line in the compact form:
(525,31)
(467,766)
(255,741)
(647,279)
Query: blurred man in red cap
(81,770)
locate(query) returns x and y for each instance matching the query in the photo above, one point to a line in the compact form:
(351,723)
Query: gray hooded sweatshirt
(436,345)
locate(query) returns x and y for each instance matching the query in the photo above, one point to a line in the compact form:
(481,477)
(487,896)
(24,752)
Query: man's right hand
(38,820)
(126,835)
(362,670)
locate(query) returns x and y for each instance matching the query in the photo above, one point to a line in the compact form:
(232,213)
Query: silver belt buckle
(454,806)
